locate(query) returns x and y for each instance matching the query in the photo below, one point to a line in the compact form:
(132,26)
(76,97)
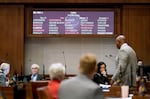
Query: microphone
(65,62)
(110,56)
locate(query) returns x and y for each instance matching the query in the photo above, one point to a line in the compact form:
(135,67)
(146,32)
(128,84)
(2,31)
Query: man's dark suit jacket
(39,77)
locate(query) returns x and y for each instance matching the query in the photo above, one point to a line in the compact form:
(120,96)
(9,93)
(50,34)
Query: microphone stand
(43,71)
(21,70)
(65,63)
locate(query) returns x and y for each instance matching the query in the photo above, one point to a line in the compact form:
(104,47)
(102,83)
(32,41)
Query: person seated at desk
(57,74)
(4,70)
(101,76)
(35,76)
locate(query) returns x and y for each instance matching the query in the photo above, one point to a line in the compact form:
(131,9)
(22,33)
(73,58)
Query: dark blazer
(100,79)
(39,77)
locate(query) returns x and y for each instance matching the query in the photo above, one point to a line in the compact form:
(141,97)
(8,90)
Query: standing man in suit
(35,73)
(126,63)
(82,86)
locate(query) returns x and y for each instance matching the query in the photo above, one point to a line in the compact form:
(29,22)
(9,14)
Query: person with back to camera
(126,63)
(82,86)
(57,74)
(101,76)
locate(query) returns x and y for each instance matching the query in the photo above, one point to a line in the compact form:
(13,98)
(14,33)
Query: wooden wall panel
(62,1)
(12,36)
(75,1)
(136,27)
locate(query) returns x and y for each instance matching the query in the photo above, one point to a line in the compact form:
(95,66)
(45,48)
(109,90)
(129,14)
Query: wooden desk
(115,91)
(148,87)
(31,88)
(141,97)
(117,98)
(13,92)
(8,92)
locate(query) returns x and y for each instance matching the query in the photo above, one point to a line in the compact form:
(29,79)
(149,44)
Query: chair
(43,93)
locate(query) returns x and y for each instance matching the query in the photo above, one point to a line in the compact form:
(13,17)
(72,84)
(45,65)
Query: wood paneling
(74,1)
(62,1)
(136,27)
(12,36)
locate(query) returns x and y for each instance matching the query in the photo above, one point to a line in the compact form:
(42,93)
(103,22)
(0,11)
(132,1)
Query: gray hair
(35,66)
(56,71)
(5,68)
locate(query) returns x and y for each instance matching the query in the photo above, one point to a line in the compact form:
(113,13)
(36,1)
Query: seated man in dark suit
(35,73)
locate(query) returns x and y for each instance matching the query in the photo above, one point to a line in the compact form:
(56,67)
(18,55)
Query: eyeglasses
(34,68)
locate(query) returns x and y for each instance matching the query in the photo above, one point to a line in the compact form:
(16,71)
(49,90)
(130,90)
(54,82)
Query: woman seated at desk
(101,76)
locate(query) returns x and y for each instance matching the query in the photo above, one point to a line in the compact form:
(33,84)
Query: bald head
(120,40)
